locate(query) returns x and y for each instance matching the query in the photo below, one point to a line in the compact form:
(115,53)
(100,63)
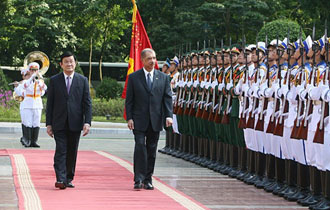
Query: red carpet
(101,183)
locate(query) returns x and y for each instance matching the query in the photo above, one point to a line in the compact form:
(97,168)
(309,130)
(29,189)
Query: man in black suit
(69,110)
(148,103)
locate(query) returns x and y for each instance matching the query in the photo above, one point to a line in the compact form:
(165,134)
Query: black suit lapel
(63,85)
(155,79)
(74,83)
(143,79)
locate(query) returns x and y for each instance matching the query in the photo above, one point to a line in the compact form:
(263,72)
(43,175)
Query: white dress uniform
(31,112)
(298,145)
(322,151)
(33,90)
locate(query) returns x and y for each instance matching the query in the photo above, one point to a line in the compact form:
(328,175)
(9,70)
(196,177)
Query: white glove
(291,95)
(31,78)
(207,85)
(299,88)
(229,85)
(202,84)
(275,87)
(263,88)
(237,90)
(283,91)
(214,84)
(308,87)
(268,92)
(220,87)
(302,95)
(245,88)
(196,83)
(316,92)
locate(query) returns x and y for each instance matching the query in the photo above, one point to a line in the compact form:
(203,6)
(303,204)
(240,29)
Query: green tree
(280,28)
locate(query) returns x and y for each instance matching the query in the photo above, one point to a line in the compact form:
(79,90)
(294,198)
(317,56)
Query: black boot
(29,135)
(25,138)
(35,134)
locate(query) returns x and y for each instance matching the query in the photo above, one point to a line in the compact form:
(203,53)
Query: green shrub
(113,107)
(280,27)
(109,89)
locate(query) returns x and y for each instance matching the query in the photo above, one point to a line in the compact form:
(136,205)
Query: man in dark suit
(148,103)
(69,110)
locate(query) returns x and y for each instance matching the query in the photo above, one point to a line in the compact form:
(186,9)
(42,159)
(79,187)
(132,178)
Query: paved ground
(212,189)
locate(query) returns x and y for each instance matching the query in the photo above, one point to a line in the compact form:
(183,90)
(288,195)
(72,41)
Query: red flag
(139,41)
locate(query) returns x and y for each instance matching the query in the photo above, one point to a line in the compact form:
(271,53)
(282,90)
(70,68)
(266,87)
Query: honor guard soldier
(34,88)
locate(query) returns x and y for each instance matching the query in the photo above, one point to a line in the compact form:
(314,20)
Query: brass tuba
(39,57)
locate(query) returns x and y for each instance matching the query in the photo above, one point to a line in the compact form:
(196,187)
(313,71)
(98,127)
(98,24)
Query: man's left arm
(87,108)
(167,103)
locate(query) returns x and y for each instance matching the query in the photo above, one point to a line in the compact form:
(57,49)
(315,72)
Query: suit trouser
(145,154)
(66,154)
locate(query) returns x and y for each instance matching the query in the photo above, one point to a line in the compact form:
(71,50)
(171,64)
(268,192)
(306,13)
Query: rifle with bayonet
(319,134)
(260,123)
(190,75)
(221,76)
(201,102)
(209,73)
(178,97)
(251,121)
(212,113)
(276,106)
(295,129)
(242,121)
(303,129)
(285,104)
(192,111)
(225,117)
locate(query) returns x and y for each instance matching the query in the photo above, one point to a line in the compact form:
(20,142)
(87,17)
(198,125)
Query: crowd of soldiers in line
(258,113)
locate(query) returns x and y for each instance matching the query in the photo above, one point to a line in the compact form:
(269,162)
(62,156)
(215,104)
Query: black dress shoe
(324,204)
(138,185)
(301,194)
(311,199)
(288,191)
(70,185)
(148,186)
(60,185)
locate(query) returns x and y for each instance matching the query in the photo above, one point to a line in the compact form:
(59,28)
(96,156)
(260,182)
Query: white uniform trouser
(311,148)
(31,117)
(268,136)
(323,157)
(323,150)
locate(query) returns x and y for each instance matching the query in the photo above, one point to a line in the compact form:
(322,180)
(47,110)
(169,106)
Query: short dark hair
(67,54)
(145,50)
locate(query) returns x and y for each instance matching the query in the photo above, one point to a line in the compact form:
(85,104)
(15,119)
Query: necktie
(68,84)
(149,83)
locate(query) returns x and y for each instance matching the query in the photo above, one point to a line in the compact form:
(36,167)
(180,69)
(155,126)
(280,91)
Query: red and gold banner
(139,41)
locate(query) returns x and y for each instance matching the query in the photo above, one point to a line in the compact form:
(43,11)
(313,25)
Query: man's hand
(50,131)
(130,124)
(169,122)
(86,129)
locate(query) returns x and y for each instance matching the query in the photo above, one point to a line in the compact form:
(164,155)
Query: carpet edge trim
(30,195)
